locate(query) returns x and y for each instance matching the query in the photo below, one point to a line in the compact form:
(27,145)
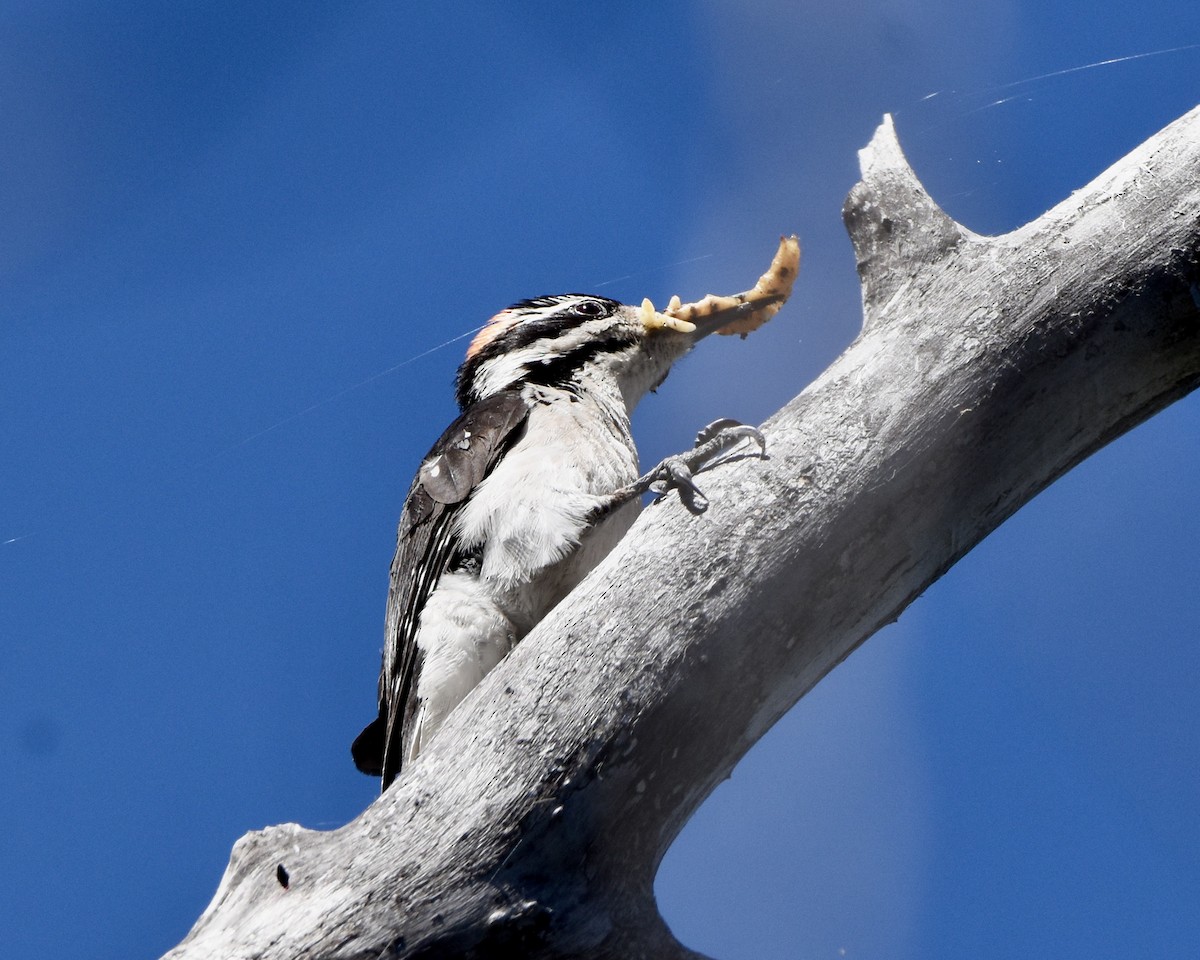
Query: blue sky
(230,233)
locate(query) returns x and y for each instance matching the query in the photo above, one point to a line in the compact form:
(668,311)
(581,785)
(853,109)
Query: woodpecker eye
(590,308)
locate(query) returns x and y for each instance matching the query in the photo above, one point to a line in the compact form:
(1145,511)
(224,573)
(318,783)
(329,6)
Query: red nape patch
(501,322)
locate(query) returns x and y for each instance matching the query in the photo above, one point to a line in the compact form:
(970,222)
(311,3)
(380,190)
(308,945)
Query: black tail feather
(367,749)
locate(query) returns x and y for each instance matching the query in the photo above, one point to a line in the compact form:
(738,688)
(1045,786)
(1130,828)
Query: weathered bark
(986,368)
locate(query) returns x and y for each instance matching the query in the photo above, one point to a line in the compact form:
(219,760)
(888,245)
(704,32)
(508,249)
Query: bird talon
(715,444)
(714,429)
(675,473)
(719,441)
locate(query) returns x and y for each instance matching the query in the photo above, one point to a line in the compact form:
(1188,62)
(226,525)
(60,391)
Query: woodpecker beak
(739,313)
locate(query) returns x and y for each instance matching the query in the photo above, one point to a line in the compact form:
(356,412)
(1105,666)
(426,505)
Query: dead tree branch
(986,368)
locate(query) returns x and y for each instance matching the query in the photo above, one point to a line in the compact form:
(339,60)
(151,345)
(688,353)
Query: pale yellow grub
(751,308)
(653,320)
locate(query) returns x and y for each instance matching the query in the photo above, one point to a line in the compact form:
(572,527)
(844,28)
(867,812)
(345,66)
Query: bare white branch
(987,367)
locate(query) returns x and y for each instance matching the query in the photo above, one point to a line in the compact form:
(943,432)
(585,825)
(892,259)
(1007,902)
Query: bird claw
(715,444)
(674,473)
(721,438)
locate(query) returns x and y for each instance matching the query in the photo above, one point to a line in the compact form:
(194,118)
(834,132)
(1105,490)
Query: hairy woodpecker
(529,489)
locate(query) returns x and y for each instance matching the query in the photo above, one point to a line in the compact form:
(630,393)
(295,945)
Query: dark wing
(425,542)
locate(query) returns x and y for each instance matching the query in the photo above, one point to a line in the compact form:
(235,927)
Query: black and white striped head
(557,340)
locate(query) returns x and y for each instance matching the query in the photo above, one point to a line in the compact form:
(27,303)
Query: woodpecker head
(569,339)
(574,340)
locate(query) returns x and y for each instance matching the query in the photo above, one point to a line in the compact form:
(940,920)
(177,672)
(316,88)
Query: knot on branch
(262,861)
(894,224)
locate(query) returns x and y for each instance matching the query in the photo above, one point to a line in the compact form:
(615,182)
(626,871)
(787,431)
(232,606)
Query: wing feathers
(465,453)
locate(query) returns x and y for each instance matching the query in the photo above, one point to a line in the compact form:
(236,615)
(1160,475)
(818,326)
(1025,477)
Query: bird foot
(717,443)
